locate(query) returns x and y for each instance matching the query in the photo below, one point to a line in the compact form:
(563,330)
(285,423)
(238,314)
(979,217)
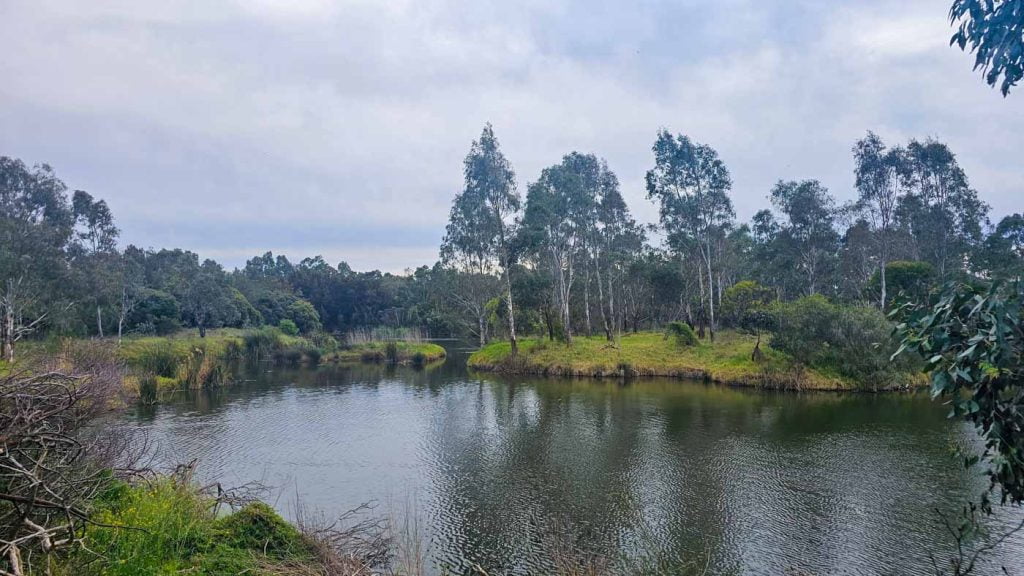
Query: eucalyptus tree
(94,255)
(807,238)
(940,210)
(208,300)
(574,215)
(880,186)
(994,31)
(616,241)
(858,259)
(480,229)
(691,185)
(36,224)
(1003,251)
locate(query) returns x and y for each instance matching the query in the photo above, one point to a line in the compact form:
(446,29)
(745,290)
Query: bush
(742,299)
(261,343)
(288,327)
(855,342)
(258,527)
(681,333)
(313,354)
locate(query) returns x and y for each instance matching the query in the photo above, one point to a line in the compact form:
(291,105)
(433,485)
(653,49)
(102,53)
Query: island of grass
(728,360)
(393,352)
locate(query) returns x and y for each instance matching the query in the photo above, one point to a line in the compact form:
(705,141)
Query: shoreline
(727,362)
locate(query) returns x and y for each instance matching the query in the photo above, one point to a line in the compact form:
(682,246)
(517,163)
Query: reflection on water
(501,471)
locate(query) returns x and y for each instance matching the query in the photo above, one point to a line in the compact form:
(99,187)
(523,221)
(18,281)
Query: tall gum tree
(877,171)
(483,216)
(691,185)
(807,239)
(560,219)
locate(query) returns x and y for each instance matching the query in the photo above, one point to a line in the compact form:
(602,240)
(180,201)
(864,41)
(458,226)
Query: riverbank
(726,361)
(167,525)
(161,364)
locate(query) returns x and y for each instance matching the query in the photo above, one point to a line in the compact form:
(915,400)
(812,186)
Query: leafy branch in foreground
(972,340)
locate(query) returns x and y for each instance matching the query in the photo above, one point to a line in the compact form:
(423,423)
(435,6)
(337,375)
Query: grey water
(516,474)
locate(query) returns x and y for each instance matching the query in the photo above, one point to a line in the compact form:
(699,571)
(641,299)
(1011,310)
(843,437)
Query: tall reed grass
(385,334)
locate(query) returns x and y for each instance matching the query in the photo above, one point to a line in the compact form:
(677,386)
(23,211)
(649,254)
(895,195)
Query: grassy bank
(726,361)
(161,364)
(164,526)
(415,353)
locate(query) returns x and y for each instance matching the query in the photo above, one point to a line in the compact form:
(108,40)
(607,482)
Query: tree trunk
(482,331)
(882,272)
(586,302)
(7,335)
(600,303)
(711,295)
(99,321)
(202,330)
(511,314)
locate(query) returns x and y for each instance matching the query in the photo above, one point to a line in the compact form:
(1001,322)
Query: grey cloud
(231,128)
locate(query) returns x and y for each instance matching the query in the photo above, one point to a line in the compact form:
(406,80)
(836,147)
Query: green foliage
(994,31)
(742,298)
(681,333)
(262,342)
(171,529)
(156,312)
(304,316)
(906,280)
(288,327)
(728,360)
(972,340)
(258,527)
(855,342)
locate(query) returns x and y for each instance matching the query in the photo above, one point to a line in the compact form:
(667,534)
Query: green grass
(393,351)
(727,361)
(163,527)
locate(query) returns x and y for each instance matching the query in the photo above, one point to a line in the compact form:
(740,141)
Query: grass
(164,527)
(395,352)
(727,361)
(161,365)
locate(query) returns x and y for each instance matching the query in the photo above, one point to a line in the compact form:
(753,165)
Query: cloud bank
(339,128)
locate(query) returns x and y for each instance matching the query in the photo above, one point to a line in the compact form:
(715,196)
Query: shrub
(262,342)
(288,356)
(681,333)
(304,316)
(288,327)
(742,299)
(313,354)
(258,527)
(854,341)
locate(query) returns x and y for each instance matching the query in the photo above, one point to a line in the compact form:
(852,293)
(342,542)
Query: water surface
(511,473)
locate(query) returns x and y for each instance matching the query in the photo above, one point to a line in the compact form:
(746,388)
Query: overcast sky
(338,128)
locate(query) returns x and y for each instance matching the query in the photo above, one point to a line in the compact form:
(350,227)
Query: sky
(311,127)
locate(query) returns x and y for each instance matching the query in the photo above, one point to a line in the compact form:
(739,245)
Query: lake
(517,473)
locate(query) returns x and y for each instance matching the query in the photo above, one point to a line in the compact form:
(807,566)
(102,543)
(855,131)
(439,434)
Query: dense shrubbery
(288,327)
(854,341)
(681,334)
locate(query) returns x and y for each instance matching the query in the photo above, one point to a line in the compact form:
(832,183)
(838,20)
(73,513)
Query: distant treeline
(567,259)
